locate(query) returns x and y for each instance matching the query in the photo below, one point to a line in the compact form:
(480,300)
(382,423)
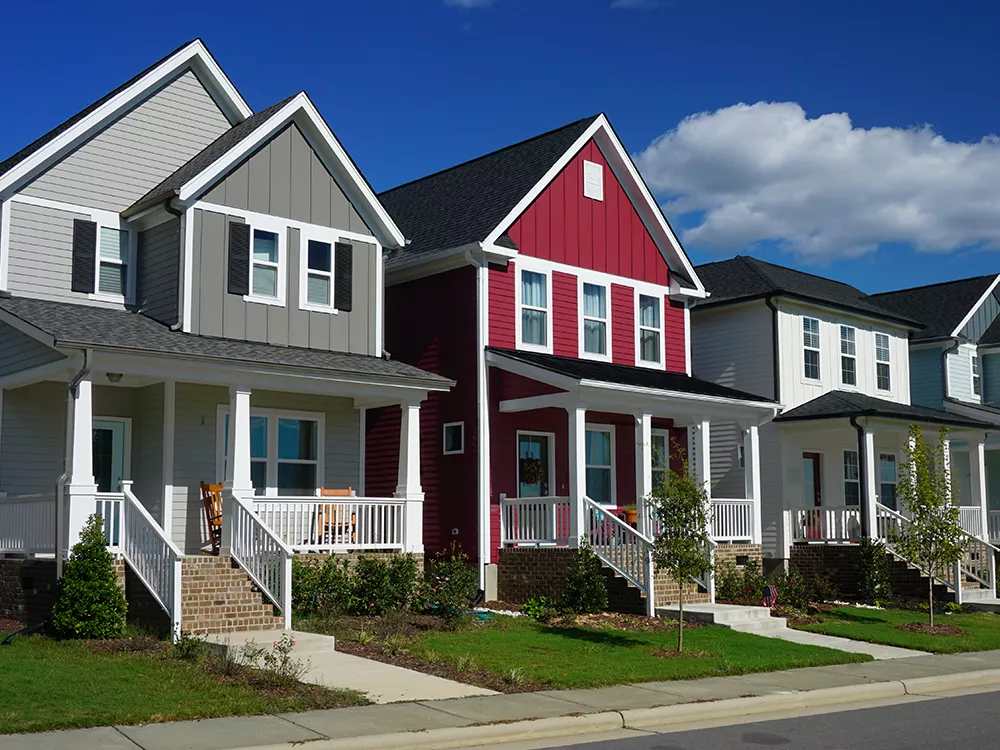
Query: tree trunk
(680,623)
(930,596)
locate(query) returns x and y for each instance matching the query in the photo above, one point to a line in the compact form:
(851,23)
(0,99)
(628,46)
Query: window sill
(453,453)
(273,301)
(305,306)
(115,298)
(651,365)
(534,348)
(595,357)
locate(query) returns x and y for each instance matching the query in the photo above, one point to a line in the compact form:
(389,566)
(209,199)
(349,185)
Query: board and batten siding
(982,319)
(960,374)
(215,312)
(33,438)
(19,351)
(926,378)
(158,272)
(121,163)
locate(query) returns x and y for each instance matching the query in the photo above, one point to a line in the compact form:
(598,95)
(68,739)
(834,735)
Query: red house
(544,280)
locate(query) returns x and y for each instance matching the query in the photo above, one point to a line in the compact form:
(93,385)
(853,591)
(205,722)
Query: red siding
(674,349)
(381,451)
(563,226)
(501,297)
(622,325)
(507,385)
(565,324)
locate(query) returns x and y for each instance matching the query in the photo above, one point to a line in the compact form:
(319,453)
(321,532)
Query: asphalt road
(971,721)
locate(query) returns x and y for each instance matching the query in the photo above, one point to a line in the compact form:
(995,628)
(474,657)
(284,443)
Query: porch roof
(844,404)
(63,324)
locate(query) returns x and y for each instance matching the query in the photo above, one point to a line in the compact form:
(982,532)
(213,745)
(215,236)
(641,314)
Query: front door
(812,496)
(533,465)
(109,454)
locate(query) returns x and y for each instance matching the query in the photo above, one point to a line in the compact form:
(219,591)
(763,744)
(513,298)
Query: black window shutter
(239,258)
(84,255)
(343,277)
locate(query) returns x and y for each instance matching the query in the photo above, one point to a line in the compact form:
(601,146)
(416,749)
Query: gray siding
(147,448)
(215,312)
(960,374)
(990,366)
(135,153)
(158,272)
(33,438)
(982,319)
(18,351)
(926,380)
(285,178)
(993,479)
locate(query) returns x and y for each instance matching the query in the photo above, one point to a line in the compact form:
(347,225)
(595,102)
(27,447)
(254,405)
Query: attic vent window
(593,181)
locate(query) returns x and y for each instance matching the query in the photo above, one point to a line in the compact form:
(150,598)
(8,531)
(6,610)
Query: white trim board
(972,310)
(4,242)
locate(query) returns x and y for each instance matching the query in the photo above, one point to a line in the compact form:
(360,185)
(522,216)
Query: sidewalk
(497,718)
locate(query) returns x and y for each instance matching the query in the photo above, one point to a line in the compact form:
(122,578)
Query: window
(593,180)
(887,475)
(265,267)
(285,450)
(595,319)
(534,309)
(319,274)
(661,457)
(650,329)
(454,438)
(977,384)
(810,343)
(882,379)
(113,262)
(741,457)
(848,352)
(852,479)
(600,449)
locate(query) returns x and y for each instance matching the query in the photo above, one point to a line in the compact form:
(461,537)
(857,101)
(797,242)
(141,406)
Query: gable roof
(991,336)
(844,404)
(746,278)
(88,120)
(943,307)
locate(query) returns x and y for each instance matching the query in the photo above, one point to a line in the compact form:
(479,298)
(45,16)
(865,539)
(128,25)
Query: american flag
(770,596)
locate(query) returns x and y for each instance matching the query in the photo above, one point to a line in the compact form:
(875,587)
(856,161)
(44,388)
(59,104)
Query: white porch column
(169,409)
(82,488)
(409,488)
(237,481)
(946,452)
(577,472)
(643,469)
(751,477)
(870,478)
(701,444)
(980,498)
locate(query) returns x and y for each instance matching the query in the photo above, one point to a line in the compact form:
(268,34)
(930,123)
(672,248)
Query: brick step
(217,596)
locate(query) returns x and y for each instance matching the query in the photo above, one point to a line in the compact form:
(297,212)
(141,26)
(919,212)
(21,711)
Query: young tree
(680,547)
(933,538)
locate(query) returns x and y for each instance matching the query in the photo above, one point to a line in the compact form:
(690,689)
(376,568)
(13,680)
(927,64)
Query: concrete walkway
(875,650)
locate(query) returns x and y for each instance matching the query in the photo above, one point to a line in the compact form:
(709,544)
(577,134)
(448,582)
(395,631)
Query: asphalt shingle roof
(464,203)
(745,278)
(843,404)
(940,307)
(640,377)
(991,336)
(84,325)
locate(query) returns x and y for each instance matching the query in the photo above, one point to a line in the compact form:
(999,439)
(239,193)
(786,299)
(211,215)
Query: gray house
(191,292)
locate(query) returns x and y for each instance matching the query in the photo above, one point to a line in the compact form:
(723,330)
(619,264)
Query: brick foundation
(217,596)
(733,554)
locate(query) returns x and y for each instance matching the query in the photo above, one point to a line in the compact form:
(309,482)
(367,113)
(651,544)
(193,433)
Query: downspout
(170,209)
(60,514)
(945,387)
(776,376)
(866,522)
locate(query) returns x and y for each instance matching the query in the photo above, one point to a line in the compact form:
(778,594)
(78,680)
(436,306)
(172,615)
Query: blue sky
(826,168)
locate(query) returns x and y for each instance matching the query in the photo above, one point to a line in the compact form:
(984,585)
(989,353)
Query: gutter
(866,522)
(769,301)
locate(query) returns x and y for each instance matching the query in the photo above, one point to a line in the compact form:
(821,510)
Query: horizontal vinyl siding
(565,315)
(147,448)
(158,274)
(32,438)
(18,351)
(926,381)
(732,346)
(501,300)
(622,325)
(960,374)
(135,153)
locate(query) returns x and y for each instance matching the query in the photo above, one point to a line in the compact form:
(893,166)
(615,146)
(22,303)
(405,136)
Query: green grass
(46,684)
(588,658)
(879,626)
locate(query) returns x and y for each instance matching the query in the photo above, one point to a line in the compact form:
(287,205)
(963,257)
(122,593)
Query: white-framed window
(600,459)
(286,450)
(883,379)
(113,271)
(977,383)
(595,333)
(888,475)
(848,356)
(319,274)
(268,262)
(810,348)
(649,329)
(852,479)
(593,180)
(534,319)
(661,456)
(454,438)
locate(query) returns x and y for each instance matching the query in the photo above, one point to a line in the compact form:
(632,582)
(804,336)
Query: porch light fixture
(114,377)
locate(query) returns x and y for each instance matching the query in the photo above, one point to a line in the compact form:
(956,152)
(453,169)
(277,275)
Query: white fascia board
(194,55)
(979,303)
(440,261)
(694,398)
(530,371)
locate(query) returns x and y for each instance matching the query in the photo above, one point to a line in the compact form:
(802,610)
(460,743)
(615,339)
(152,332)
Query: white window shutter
(593,180)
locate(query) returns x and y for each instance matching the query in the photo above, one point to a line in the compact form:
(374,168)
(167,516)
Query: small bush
(450,584)
(277,662)
(373,587)
(586,587)
(736,586)
(89,603)
(541,609)
(874,572)
(322,587)
(373,593)
(404,576)
(189,647)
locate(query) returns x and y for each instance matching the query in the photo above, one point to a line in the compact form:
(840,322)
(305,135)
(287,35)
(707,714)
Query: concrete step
(305,643)
(727,615)
(769,625)
(976,594)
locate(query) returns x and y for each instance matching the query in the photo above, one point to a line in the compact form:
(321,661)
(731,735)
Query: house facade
(191,293)
(544,280)
(838,361)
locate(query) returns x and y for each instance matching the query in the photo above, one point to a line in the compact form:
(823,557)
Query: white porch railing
(732,520)
(260,552)
(825,524)
(622,548)
(971,519)
(535,520)
(109,506)
(28,524)
(152,556)
(323,524)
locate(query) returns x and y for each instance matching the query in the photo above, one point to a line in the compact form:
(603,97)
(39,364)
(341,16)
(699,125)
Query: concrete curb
(939,683)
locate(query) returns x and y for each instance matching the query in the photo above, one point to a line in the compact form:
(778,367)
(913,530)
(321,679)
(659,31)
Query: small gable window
(593,180)
(113,267)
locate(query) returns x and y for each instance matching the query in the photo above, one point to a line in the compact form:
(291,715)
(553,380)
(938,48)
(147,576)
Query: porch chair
(211,498)
(332,522)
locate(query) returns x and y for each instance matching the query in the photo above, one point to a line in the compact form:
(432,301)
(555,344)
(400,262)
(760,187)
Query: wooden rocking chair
(211,498)
(332,522)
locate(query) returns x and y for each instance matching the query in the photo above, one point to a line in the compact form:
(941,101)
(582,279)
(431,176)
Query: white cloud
(637,4)
(469,3)
(822,187)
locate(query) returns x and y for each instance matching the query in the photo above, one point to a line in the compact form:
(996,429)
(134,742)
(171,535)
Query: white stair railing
(621,548)
(260,552)
(153,557)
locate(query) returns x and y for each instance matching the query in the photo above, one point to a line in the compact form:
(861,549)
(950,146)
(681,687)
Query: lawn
(47,684)
(880,626)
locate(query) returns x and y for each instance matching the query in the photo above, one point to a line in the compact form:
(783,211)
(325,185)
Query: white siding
(960,374)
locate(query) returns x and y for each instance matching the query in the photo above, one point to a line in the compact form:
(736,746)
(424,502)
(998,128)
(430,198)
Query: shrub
(737,586)
(89,604)
(794,590)
(586,587)
(322,587)
(541,609)
(450,583)
(874,572)
(372,587)
(403,578)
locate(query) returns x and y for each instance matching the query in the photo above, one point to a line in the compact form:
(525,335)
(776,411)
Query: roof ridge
(491,153)
(807,273)
(936,283)
(760,272)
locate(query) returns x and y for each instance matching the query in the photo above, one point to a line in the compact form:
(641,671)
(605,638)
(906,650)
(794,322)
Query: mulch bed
(10,626)
(938,629)
(622,622)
